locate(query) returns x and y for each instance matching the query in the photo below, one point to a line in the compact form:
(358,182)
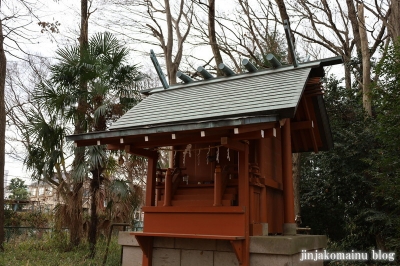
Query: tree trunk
(76,215)
(79,154)
(285,16)
(347,72)
(94,188)
(84,37)
(212,36)
(168,49)
(366,62)
(394,20)
(354,24)
(83,44)
(3,63)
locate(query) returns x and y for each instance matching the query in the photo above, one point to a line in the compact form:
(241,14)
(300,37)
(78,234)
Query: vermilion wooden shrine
(232,140)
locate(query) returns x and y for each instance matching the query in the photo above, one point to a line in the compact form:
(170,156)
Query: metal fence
(25,232)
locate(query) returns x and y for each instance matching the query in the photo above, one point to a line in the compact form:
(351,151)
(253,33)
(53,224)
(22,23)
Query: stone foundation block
(197,258)
(197,244)
(132,256)
(225,258)
(264,250)
(166,257)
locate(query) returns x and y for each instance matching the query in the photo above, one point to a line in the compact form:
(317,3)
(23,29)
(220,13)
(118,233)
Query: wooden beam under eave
(115,147)
(233,144)
(179,141)
(93,142)
(259,134)
(304,143)
(86,143)
(141,152)
(302,125)
(313,138)
(254,128)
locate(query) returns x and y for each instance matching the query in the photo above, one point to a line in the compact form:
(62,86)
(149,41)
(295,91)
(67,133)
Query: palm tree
(112,88)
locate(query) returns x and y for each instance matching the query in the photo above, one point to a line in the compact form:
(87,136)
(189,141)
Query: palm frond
(101,111)
(96,156)
(120,189)
(55,98)
(103,43)
(79,170)
(69,55)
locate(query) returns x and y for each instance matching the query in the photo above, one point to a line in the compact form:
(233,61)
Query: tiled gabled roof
(274,92)
(244,99)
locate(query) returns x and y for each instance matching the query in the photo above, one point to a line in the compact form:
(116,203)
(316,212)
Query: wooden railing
(217,186)
(172,180)
(221,179)
(166,191)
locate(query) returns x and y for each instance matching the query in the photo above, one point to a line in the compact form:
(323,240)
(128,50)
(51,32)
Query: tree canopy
(351,192)
(18,189)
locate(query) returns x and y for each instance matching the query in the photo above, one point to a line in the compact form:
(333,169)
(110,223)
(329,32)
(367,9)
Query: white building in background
(43,196)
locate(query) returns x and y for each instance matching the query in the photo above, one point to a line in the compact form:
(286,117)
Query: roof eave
(172,128)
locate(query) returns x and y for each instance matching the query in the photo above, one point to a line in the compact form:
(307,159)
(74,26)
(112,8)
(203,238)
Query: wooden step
(199,203)
(198,190)
(194,190)
(228,190)
(203,197)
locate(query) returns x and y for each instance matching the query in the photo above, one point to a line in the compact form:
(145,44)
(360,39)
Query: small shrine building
(230,177)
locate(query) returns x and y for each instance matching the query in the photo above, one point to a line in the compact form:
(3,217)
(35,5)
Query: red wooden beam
(258,134)
(151,180)
(302,125)
(141,152)
(245,129)
(239,247)
(313,138)
(233,144)
(146,244)
(176,142)
(115,147)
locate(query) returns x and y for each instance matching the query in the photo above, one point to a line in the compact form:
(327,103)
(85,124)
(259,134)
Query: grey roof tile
(264,92)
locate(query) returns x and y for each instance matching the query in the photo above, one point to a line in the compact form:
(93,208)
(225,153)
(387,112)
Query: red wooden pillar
(244,200)
(146,243)
(289,227)
(263,153)
(217,186)
(168,188)
(151,180)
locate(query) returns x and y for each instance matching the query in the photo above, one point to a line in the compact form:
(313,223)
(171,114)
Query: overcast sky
(67,14)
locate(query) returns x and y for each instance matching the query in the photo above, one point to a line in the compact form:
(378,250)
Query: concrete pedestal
(264,250)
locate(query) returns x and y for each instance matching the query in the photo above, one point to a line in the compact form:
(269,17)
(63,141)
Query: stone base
(264,250)
(289,229)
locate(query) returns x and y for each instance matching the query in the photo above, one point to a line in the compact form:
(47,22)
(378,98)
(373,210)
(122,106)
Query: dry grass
(53,250)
